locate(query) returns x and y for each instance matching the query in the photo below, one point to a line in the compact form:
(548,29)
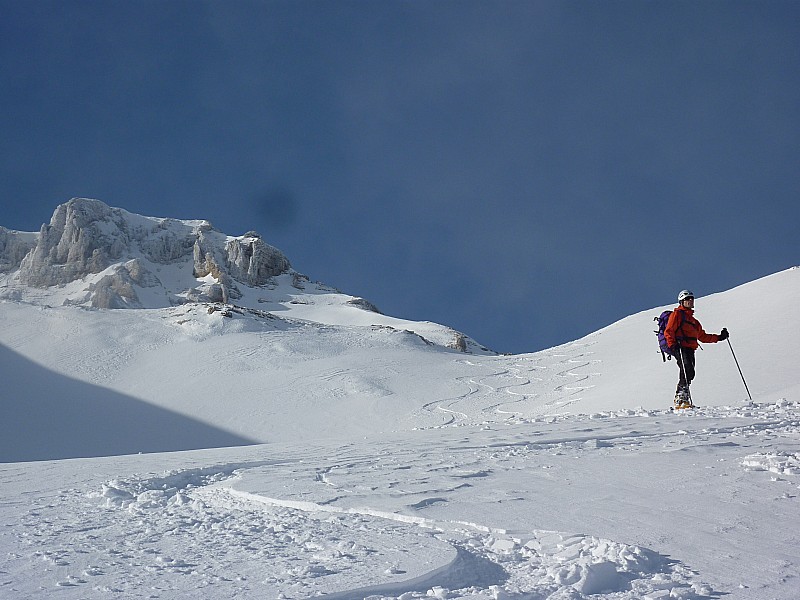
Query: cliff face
(14,246)
(84,236)
(87,237)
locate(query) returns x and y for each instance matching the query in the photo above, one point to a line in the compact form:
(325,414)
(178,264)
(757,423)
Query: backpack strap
(679,333)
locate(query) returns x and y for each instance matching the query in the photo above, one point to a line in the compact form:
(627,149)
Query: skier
(683,332)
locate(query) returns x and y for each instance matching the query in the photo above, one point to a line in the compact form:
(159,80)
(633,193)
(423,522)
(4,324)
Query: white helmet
(684,295)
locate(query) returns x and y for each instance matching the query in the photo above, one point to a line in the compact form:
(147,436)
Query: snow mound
(783,463)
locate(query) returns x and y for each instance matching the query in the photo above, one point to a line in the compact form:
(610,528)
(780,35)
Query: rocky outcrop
(86,237)
(117,290)
(364,305)
(170,241)
(253,262)
(459,342)
(14,246)
(82,238)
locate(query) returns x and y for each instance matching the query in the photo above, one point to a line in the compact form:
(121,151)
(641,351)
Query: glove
(723,335)
(675,350)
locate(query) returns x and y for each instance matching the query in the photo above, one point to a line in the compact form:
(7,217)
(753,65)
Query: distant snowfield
(385,466)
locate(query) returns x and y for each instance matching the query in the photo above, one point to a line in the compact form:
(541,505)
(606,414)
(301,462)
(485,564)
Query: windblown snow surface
(312,450)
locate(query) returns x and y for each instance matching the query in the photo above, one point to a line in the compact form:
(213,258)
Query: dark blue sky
(526,172)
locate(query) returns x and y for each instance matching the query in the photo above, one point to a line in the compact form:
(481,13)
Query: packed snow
(295,444)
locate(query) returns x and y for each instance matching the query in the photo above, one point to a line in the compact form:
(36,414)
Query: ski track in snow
(193,524)
(506,386)
(373,521)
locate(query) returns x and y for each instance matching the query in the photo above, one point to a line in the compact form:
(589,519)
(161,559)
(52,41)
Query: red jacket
(683,328)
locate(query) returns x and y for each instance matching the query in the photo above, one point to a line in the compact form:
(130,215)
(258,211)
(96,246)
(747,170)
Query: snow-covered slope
(764,331)
(400,460)
(331,369)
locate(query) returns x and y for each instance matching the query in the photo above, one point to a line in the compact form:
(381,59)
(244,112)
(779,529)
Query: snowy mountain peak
(87,238)
(94,255)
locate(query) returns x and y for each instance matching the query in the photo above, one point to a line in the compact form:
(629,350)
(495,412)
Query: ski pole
(740,370)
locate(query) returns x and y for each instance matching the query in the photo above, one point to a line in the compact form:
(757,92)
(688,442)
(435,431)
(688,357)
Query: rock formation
(14,246)
(87,237)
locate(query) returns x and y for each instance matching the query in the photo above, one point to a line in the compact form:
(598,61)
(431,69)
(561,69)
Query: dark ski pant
(685,360)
